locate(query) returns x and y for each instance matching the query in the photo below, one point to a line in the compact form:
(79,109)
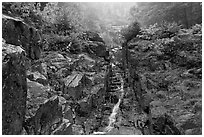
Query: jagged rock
(63,72)
(49,114)
(96,48)
(72,85)
(39,67)
(37,95)
(83,109)
(84,63)
(68,114)
(75,47)
(124,131)
(190,124)
(14,91)
(92,36)
(8,49)
(78,129)
(54,57)
(162,125)
(36,76)
(17,32)
(56,61)
(64,129)
(36,89)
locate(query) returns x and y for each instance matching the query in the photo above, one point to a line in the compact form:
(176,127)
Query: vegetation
(185,13)
(73,69)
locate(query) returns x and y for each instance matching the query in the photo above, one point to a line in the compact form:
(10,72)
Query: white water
(112,117)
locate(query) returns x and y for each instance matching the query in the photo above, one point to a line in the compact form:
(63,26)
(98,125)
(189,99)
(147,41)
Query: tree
(29,11)
(63,18)
(185,13)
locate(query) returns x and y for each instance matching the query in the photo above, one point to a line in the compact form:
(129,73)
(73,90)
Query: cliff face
(14,89)
(19,40)
(17,32)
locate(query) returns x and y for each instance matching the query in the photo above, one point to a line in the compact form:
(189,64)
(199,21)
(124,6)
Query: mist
(114,13)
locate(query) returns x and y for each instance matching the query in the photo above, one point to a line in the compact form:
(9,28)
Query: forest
(101,68)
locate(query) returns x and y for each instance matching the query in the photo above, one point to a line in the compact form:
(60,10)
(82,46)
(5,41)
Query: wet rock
(78,129)
(14,92)
(124,131)
(17,32)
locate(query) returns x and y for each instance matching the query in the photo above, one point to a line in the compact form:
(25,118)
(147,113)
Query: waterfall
(112,117)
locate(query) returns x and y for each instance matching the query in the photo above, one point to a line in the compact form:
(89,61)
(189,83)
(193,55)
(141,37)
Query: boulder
(17,32)
(36,90)
(76,83)
(56,60)
(14,90)
(39,67)
(92,36)
(37,94)
(36,76)
(72,85)
(63,72)
(95,48)
(64,129)
(49,114)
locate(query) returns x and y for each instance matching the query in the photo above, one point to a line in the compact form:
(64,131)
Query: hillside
(69,69)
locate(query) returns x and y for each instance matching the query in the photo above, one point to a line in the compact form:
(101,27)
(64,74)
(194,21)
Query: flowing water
(112,117)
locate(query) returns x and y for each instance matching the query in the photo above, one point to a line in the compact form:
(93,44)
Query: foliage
(171,43)
(131,31)
(169,56)
(185,13)
(164,65)
(29,11)
(62,18)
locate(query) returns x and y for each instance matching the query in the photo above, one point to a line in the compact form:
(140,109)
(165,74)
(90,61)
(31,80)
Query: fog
(105,18)
(116,13)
